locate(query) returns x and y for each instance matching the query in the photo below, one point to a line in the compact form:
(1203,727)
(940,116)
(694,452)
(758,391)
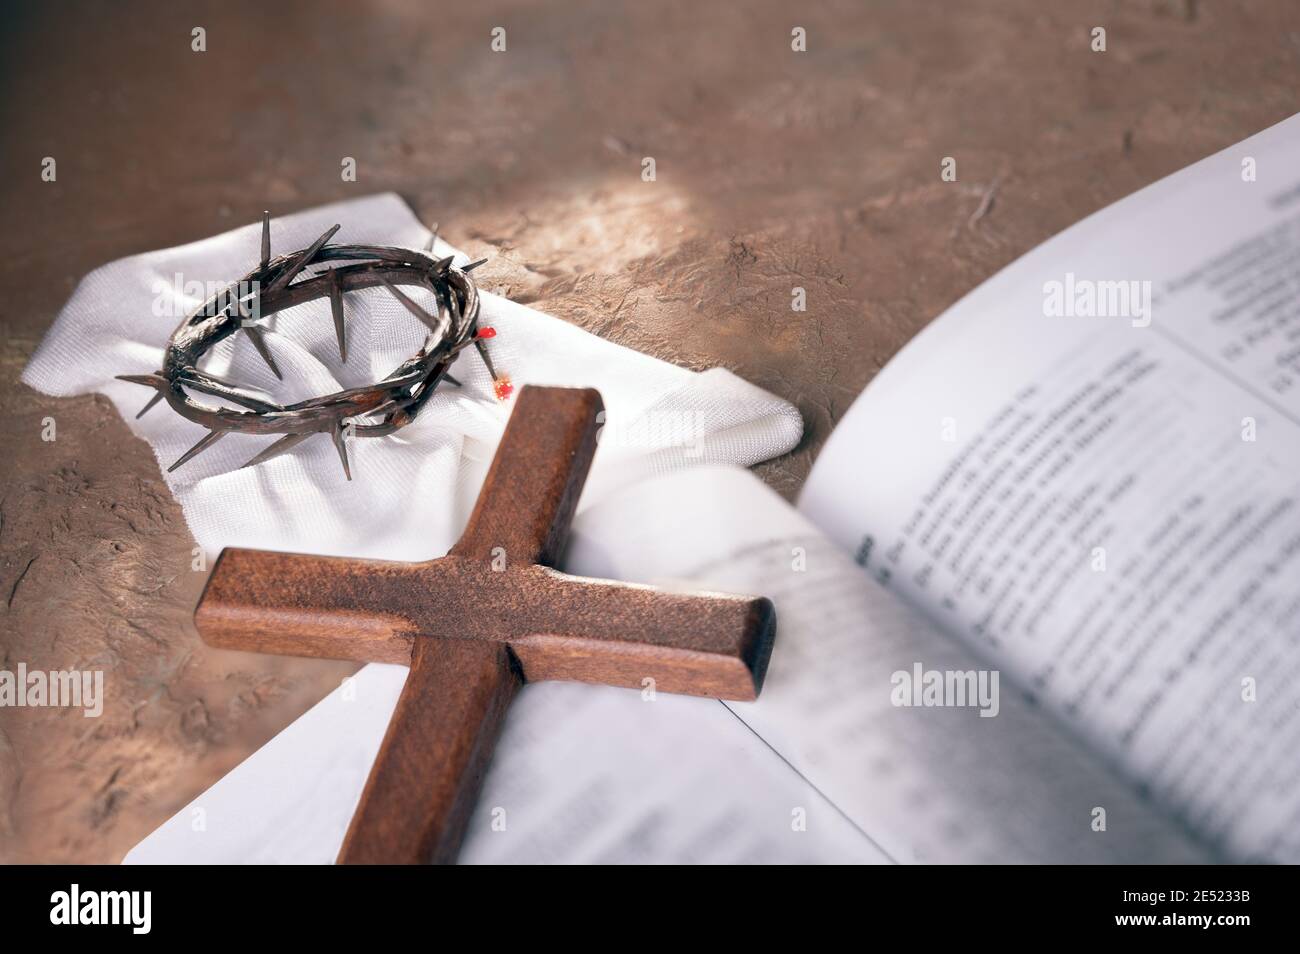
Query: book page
(1103,496)
(920,784)
(583,773)
(823,768)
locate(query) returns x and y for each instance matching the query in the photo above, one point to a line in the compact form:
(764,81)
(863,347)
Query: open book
(1040,601)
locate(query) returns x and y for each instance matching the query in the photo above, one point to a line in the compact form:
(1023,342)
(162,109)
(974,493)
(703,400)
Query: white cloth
(412,491)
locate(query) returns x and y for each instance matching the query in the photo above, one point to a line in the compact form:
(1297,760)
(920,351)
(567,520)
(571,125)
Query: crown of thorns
(371,411)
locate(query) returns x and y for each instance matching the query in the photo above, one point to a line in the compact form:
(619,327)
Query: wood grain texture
(532,488)
(477,623)
(420,795)
(374,611)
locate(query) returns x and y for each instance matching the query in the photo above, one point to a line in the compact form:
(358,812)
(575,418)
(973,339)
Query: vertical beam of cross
(420,793)
(526,507)
(421,790)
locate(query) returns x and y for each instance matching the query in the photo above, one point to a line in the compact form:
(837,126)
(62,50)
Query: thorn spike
(473,265)
(448,377)
(436,325)
(301,262)
(155,381)
(483,353)
(152,401)
(256,335)
(285,443)
(339,436)
(442,264)
(207,441)
(433,237)
(336,310)
(266,238)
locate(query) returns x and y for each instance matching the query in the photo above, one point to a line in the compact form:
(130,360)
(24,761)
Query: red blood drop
(503,388)
(486,333)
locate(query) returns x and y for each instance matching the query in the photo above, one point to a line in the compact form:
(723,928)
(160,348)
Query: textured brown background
(775,169)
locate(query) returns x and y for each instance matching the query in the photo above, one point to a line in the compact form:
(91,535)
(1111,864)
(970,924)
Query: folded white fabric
(412,491)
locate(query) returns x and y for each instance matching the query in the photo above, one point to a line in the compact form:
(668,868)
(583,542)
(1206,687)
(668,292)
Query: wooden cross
(477,624)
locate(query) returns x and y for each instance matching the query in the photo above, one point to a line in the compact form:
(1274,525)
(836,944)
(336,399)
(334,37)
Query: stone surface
(774,169)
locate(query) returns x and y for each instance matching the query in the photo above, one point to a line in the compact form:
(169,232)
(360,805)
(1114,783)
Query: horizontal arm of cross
(296,604)
(557,626)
